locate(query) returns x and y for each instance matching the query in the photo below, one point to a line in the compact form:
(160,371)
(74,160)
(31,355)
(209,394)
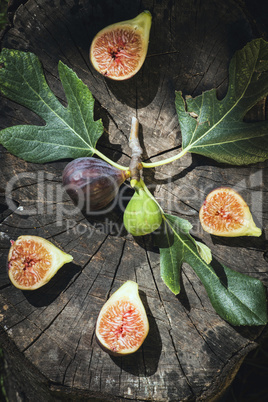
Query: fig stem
(136,164)
(165,161)
(136,151)
(116,165)
(134,143)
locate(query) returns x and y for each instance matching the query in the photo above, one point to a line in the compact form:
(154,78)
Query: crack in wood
(165,152)
(110,148)
(202,337)
(160,111)
(238,357)
(77,47)
(111,116)
(44,26)
(117,267)
(192,286)
(87,263)
(180,364)
(44,330)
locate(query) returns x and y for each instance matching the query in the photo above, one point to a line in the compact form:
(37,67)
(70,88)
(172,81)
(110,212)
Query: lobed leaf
(215,128)
(69,132)
(237,298)
(171,252)
(170,260)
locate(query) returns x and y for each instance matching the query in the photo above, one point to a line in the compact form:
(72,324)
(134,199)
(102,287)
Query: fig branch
(136,151)
(136,165)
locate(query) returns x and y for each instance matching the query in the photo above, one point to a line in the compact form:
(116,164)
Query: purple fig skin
(92,183)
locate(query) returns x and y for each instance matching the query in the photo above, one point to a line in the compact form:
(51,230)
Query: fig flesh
(142,214)
(33,261)
(92,183)
(122,324)
(225,213)
(119,50)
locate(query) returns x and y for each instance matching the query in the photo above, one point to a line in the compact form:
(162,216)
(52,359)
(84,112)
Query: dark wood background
(190,353)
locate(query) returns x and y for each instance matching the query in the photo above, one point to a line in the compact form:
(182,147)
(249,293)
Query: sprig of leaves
(69,132)
(209,127)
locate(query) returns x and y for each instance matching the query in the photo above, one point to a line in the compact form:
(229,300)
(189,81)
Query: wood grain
(190,352)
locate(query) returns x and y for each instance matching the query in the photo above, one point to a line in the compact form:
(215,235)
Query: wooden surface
(190,352)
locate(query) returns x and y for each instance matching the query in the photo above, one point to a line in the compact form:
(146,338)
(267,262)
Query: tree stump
(48,335)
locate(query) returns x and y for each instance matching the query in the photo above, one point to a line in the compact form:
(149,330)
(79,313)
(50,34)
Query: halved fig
(122,324)
(33,261)
(225,213)
(119,50)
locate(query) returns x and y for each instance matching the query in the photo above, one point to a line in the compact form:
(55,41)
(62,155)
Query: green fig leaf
(204,251)
(171,257)
(69,132)
(215,128)
(237,298)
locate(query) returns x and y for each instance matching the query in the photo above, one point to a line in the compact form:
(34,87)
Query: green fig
(142,215)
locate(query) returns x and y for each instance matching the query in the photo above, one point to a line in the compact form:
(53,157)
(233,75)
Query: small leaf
(215,128)
(204,251)
(69,132)
(237,298)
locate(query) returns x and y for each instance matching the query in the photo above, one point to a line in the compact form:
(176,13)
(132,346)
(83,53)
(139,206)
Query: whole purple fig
(92,183)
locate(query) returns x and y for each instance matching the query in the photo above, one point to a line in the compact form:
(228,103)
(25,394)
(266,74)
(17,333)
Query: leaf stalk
(165,161)
(116,165)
